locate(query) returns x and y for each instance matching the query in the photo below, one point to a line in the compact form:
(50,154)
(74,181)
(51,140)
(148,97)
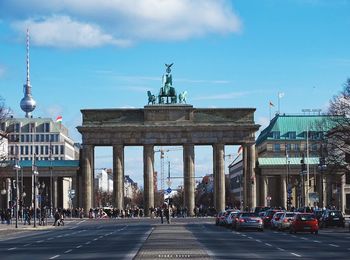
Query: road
(188,238)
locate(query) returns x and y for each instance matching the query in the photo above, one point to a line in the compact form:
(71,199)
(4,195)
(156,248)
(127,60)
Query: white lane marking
(88,242)
(54,257)
(59,236)
(243,235)
(349,249)
(284,234)
(27,244)
(294,236)
(281,249)
(295,254)
(275,232)
(81,222)
(79,246)
(333,245)
(40,241)
(304,238)
(258,240)
(268,244)
(316,241)
(100,237)
(68,251)
(50,238)
(73,228)
(250,237)
(12,248)
(95,239)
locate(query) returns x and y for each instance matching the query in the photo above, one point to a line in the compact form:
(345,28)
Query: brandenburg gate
(168,123)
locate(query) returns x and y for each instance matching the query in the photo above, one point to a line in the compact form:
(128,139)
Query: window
(56,149)
(314,147)
(42,138)
(42,149)
(47,127)
(292,135)
(347,178)
(46,149)
(36,149)
(17,127)
(276,135)
(22,138)
(27,149)
(3,127)
(288,147)
(62,149)
(277,147)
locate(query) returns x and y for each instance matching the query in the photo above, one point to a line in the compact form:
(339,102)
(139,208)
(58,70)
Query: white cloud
(91,23)
(62,31)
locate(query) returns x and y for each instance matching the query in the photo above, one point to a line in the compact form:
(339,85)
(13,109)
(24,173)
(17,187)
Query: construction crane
(162,159)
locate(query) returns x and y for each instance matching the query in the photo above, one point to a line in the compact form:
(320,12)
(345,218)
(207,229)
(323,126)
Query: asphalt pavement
(184,238)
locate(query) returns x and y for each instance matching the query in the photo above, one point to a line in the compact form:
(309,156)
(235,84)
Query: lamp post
(3,193)
(16,167)
(35,173)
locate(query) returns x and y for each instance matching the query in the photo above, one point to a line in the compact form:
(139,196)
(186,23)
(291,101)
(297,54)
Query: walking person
(161,214)
(57,217)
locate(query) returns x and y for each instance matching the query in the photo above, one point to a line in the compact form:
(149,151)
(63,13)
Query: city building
(289,171)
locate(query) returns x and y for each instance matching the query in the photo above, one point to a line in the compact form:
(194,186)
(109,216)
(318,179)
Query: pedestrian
(161,214)
(57,217)
(167,213)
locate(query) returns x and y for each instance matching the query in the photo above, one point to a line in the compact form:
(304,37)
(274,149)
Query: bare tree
(338,138)
(4,113)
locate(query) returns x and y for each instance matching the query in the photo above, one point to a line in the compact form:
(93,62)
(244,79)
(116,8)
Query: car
(268,216)
(275,218)
(230,217)
(234,218)
(304,222)
(259,209)
(332,218)
(285,220)
(220,217)
(249,220)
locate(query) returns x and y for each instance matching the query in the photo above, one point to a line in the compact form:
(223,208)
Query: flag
(271,104)
(280,94)
(240,149)
(59,119)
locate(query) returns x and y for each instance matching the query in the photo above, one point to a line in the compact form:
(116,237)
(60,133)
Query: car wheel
(261,230)
(316,232)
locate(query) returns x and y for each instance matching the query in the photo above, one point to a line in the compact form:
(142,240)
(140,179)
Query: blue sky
(239,53)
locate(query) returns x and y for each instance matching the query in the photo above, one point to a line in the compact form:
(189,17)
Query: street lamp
(35,173)
(16,167)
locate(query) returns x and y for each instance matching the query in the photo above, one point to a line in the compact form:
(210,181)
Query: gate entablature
(168,125)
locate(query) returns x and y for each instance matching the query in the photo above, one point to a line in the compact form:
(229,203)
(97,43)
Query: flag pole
(278,95)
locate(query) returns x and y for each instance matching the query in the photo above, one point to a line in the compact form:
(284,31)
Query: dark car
(332,218)
(268,216)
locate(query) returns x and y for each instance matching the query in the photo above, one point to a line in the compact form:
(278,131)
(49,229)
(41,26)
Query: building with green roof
(288,171)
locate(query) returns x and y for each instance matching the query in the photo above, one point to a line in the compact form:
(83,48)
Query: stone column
(189,181)
(245,178)
(342,193)
(219,176)
(148,168)
(263,190)
(118,176)
(54,192)
(283,181)
(251,192)
(87,175)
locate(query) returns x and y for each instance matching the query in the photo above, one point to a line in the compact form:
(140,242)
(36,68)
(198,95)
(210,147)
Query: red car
(304,222)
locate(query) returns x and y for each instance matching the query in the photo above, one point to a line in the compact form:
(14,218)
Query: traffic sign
(168,190)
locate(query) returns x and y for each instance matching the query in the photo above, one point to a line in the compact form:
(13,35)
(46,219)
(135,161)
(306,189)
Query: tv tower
(28,104)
